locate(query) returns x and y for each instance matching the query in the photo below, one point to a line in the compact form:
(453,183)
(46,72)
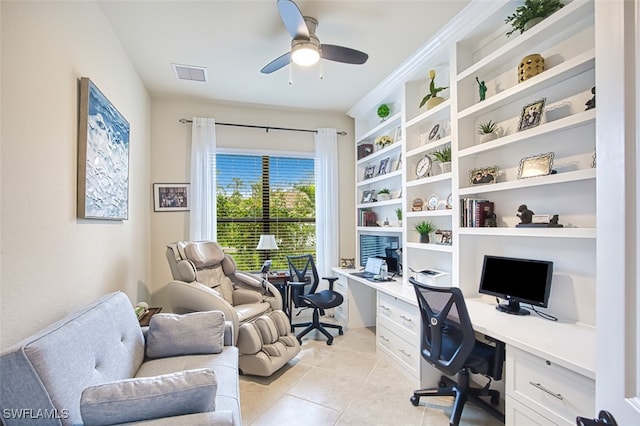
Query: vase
(445,167)
(531,22)
(434,101)
(424,238)
(486,137)
(530,66)
(384,197)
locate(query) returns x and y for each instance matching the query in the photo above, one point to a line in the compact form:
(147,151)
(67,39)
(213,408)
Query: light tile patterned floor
(343,384)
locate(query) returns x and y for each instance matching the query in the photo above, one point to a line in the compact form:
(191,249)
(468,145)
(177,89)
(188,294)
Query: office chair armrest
(331,281)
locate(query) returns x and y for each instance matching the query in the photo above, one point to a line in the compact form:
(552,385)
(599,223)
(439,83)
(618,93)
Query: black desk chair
(448,343)
(304,294)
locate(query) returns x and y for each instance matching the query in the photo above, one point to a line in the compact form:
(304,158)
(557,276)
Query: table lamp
(267,242)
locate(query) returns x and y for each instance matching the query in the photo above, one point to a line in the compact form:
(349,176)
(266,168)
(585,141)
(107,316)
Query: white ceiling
(234,39)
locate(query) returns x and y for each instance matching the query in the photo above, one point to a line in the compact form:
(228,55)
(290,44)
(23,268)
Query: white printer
(433,277)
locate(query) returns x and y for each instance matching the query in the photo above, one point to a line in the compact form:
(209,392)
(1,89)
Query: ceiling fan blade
(276,64)
(293,19)
(343,54)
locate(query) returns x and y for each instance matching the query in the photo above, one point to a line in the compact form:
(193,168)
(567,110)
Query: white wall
(171,145)
(51,262)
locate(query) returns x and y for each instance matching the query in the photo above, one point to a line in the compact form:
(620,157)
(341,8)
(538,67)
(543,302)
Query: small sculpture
(482,88)
(525,214)
(492,221)
(591,103)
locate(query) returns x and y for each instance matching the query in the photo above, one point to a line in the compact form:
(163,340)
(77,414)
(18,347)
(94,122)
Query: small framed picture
(531,115)
(435,133)
(347,263)
(369,172)
(170,197)
(536,165)
(483,175)
(367,196)
(398,136)
(384,165)
(398,164)
(432,202)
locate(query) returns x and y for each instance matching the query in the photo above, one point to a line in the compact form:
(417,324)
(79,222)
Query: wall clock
(424,166)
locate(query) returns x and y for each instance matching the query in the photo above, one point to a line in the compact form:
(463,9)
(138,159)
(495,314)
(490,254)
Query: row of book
(476,213)
(367,218)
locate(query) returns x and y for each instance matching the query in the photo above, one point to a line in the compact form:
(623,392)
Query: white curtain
(202,216)
(327,223)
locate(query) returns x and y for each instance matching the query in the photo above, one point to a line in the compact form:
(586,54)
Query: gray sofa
(53,375)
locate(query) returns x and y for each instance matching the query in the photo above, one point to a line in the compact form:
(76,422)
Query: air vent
(189,72)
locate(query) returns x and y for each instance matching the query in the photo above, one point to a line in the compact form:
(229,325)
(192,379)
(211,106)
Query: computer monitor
(516,281)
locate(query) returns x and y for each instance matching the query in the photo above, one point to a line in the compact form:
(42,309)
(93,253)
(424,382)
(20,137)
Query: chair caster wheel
(329,342)
(414,400)
(495,400)
(340,332)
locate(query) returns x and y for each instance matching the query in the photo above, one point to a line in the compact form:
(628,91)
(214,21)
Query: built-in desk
(550,368)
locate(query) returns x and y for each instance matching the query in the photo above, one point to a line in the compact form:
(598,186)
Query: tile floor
(343,384)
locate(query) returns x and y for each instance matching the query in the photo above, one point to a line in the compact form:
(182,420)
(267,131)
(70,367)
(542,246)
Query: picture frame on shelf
(449,204)
(398,164)
(536,165)
(398,135)
(436,132)
(531,115)
(417,204)
(369,171)
(483,175)
(432,202)
(384,165)
(367,196)
(170,197)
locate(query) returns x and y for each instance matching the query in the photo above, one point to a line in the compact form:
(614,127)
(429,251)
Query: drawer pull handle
(385,308)
(384,338)
(542,388)
(405,353)
(405,318)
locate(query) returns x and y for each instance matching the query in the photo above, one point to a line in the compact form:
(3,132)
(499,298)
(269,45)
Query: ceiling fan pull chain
(290,75)
(321,71)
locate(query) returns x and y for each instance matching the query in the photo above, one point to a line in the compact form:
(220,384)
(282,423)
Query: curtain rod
(267,128)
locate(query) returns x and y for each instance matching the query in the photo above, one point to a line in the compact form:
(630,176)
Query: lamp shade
(267,242)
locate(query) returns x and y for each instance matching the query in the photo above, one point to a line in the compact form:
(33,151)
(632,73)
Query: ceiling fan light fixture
(305,54)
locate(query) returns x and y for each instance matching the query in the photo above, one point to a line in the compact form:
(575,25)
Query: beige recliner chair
(206,279)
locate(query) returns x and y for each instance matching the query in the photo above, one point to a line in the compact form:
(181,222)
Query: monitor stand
(512,307)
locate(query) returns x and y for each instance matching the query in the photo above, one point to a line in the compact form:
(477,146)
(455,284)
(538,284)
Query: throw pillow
(188,334)
(130,400)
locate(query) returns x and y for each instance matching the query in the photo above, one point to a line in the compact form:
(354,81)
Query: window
(265,195)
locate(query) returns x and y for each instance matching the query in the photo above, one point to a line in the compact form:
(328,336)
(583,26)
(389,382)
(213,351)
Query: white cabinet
(397,335)
(552,392)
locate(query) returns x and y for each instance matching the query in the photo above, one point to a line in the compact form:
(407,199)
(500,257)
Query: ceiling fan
(306,48)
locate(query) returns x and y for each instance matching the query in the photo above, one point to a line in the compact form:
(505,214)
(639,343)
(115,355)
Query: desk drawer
(341,286)
(551,390)
(407,354)
(404,315)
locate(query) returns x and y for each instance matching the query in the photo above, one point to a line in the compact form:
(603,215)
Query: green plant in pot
(488,131)
(432,99)
(384,194)
(443,155)
(424,228)
(384,111)
(399,214)
(531,13)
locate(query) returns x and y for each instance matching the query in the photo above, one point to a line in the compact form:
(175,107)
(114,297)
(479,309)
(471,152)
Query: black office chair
(448,343)
(304,284)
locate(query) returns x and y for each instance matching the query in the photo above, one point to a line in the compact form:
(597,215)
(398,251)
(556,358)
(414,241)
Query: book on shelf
(475,212)
(367,217)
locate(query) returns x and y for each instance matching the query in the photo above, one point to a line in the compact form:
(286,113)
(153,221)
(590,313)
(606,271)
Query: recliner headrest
(204,253)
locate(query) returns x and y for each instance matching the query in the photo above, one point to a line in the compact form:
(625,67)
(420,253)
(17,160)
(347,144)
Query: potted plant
(424,228)
(382,141)
(384,111)
(487,131)
(399,215)
(384,194)
(432,99)
(444,157)
(531,13)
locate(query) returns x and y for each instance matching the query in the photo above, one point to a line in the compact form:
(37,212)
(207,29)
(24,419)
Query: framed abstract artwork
(103,157)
